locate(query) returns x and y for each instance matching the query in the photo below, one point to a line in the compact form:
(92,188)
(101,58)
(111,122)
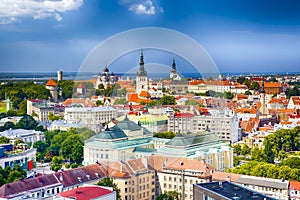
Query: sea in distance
(44,76)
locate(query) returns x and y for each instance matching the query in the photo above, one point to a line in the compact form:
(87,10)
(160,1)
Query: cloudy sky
(240,36)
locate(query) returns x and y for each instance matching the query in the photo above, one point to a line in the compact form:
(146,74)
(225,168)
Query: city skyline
(248,36)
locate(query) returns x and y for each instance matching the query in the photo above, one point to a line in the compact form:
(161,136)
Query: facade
(224,125)
(93,117)
(116,143)
(199,146)
(225,191)
(26,135)
(25,158)
(181,174)
(294,103)
(41,108)
(62,125)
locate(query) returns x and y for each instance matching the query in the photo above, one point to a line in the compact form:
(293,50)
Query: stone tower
(52,86)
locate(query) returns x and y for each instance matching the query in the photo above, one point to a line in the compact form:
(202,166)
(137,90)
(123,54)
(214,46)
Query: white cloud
(12,10)
(146,7)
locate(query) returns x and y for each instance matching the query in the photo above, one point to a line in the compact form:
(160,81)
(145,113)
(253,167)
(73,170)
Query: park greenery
(170,195)
(278,148)
(26,122)
(62,145)
(9,174)
(108,182)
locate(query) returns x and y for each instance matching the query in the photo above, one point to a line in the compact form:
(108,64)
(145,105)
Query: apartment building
(224,125)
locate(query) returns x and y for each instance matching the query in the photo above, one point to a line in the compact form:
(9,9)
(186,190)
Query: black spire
(141,58)
(263,87)
(173,64)
(141,71)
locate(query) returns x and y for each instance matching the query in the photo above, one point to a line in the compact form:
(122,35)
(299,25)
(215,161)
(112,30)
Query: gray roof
(265,182)
(144,150)
(189,140)
(126,124)
(115,133)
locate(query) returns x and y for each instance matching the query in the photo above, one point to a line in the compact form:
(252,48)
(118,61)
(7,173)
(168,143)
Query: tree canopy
(108,182)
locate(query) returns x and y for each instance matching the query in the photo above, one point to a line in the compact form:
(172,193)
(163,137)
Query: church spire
(141,71)
(263,87)
(141,58)
(173,64)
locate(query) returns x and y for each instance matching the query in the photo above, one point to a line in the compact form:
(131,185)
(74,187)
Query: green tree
(99,103)
(108,182)
(210,93)
(258,155)
(41,148)
(268,151)
(4,140)
(293,92)
(170,195)
(247,82)
(53,117)
(248,92)
(241,79)
(27,122)
(56,163)
(245,150)
(9,125)
(229,95)
(168,100)
(237,149)
(292,162)
(18,141)
(72,148)
(191,102)
(16,174)
(254,86)
(121,101)
(67,87)
(167,135)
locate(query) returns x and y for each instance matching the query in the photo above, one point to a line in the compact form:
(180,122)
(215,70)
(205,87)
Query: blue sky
(240,36)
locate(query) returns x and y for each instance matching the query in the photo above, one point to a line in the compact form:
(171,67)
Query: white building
(26,135)
(92,116)
(224,125)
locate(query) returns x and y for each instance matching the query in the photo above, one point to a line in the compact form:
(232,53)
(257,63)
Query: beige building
(41,108)
(181,174)
(133,178)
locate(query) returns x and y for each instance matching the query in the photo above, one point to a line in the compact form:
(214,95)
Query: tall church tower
(263,109)
(141,77)
(174,74)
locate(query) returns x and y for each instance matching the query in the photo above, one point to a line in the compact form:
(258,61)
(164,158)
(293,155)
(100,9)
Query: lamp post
(182,178)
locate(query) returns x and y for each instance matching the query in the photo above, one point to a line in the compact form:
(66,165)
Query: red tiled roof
(270,84)
(296,100)
(223,176)
(135,98)
(183,115)
(80,85)
(196,82)
(294,185)
(84,102)
(51,82)
(86,193)
(144,94)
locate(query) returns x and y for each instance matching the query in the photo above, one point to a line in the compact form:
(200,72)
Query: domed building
(105,79)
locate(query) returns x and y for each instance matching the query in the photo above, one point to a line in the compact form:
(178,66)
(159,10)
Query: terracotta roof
(156,162)
(294,185)
(70,101)
(196,82)
(51,82)
(136,165)
(144,94)
(189,164)
(135,98)
(251,110)
(285,123)
(296,100)
(270,84)
(249,125)
(80,85)
(223,176)
(86,193)
(183,115)
(222,83)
